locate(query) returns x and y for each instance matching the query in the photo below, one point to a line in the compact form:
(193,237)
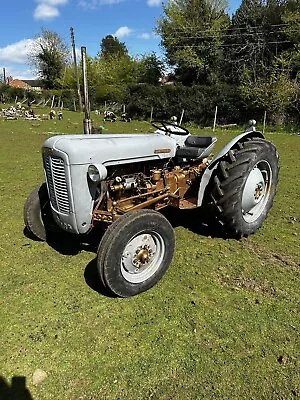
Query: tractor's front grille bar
(57,185)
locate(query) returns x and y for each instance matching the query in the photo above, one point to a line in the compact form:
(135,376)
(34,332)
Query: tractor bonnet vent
(57,185)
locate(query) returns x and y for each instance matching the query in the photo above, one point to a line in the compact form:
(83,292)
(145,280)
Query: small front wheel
(135,252)
(38,217)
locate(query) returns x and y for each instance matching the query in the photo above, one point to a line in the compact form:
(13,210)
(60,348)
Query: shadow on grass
(68,244)
(91,276)
(195,220)
(16,391)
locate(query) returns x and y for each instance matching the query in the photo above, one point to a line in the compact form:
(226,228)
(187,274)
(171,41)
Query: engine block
(156,188)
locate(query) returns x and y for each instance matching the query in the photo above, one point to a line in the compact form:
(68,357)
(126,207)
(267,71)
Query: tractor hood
(111,149)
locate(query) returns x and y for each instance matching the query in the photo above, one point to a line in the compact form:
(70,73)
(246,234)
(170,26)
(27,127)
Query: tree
(151,69)
(191,32)
(291,19)
(274,94)
(263,55)
(111,46)
(290,58)
(257,35)
(50,57)
(108,79)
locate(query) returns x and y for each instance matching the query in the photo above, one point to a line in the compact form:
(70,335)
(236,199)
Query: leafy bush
(10,93)
(198,101)
(66,96)
(141,97)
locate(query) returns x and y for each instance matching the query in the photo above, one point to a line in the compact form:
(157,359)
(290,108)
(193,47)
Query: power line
(226,35)
(235,28)
(233,44)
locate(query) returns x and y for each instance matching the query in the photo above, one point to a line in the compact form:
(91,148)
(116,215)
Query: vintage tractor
(122,181)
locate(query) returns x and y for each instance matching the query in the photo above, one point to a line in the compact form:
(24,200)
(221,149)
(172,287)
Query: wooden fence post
(264,124)
(180,121)
(215,119)
(151,115)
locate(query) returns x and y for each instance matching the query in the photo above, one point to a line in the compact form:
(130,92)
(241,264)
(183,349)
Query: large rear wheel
(244,187)
(135,252)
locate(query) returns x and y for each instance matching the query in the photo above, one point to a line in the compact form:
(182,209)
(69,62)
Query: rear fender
(215,161)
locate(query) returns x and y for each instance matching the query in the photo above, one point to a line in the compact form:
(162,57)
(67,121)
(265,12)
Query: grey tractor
(123,181)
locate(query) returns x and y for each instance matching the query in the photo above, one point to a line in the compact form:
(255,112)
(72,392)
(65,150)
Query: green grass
(213,328)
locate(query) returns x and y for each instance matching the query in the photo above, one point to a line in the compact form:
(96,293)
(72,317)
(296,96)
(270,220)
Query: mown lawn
(222,324)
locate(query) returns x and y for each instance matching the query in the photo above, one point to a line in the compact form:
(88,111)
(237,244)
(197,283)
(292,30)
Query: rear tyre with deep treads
(243,187)
(135,252)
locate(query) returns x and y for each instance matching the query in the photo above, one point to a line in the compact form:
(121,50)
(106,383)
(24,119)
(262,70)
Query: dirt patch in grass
(249,285)
(268,255)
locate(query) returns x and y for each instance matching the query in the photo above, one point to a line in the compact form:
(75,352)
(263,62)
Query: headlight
(94,173)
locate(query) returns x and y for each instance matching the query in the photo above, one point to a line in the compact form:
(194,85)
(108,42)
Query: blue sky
(132,21)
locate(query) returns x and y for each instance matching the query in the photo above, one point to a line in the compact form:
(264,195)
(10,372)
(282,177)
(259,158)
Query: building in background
(29,84)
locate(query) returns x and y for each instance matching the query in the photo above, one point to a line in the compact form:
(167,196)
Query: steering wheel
(163,126)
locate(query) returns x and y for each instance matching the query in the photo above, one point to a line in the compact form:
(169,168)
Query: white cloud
(154,3)
(144,36)
(48,9)
(24,74)
(44,11)
(93,4)
(123,31)
(17,52)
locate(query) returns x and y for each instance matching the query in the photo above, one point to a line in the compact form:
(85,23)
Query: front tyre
(244,187)
(135,252)
(37,213)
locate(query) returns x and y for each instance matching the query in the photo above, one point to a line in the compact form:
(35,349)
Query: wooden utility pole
(75,69)
(87,122)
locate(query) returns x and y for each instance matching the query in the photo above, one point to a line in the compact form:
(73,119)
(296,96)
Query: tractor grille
(56,179)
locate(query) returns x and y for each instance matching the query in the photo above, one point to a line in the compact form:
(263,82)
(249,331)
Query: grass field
(222,324)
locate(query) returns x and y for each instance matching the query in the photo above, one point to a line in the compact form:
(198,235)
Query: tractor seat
(196,147)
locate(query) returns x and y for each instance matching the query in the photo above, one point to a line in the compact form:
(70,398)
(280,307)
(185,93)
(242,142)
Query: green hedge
(199,103)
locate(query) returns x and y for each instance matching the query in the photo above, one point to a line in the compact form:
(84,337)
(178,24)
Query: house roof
(33,82)
(25,83)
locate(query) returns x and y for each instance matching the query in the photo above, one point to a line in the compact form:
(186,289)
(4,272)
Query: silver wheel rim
(142,257)
(256,191)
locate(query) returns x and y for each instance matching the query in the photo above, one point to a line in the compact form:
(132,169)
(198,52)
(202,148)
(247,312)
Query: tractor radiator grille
(56,179)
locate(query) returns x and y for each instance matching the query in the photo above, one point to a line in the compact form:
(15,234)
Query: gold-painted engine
(153,188)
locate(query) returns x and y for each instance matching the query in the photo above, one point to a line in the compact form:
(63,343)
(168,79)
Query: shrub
(198,101)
